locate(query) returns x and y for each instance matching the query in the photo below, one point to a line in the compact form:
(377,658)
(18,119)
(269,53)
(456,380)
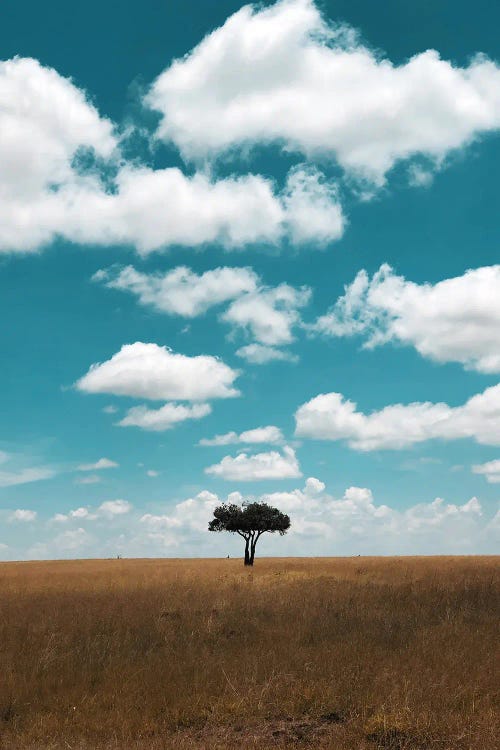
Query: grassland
(391,653)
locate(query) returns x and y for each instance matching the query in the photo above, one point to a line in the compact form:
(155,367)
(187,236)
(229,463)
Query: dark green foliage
(250,521)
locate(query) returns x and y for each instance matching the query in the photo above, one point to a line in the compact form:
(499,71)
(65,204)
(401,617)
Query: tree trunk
(247,553)
(252,553)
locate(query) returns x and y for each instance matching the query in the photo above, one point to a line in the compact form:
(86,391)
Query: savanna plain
(390,653)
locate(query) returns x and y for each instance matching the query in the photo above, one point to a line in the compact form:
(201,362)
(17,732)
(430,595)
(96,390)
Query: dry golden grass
(390,653)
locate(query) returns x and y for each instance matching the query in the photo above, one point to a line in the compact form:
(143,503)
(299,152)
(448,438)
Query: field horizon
(391,653)
(258,559)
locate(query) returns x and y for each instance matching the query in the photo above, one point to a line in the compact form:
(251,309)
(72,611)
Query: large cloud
(46,191)
(455,320)
(281,74)
(350,524)
(155,372)
(62,175)
(45,122)
(152,209)
(354,522)
(259,466)
(330,416)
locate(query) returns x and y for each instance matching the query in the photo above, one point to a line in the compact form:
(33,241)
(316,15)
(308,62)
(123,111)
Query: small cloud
(24,476)
(146,370)
(103,463)
(79,514)
(91,479)
(83,513)
(72,540)
(24,516)
(152,473)
(490,470)
(109,509)
(112,508)
(258,354)
(110,409)
(418,176)
(269,314)
(249,468)
(417,464)
(269,434)
(164,418)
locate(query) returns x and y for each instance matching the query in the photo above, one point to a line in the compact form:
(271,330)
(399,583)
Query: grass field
(361,653)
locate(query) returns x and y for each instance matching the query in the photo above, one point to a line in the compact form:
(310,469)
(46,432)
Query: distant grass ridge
(340,653)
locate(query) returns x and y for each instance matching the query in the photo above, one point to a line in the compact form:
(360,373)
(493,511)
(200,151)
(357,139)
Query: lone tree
(250,521)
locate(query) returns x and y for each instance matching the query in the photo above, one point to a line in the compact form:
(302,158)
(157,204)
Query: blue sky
(274,224)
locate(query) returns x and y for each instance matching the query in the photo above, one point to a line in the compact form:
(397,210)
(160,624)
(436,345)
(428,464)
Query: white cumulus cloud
(181,291)
(108,510)
(112,508)
(455,320)
(152,209)
(62,175)
(313,207)
(45,121)
(330,416)
(157,373)
(110,409)
(269,434)
(269,315)
(355,522)
(188,517)
(70,541)
(490,470)
(158,420)
(102,463)
(24,516)
(281,74)
(348,524)
(258,354)
(259,466)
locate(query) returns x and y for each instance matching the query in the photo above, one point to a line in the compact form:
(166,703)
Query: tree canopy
(250,521)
